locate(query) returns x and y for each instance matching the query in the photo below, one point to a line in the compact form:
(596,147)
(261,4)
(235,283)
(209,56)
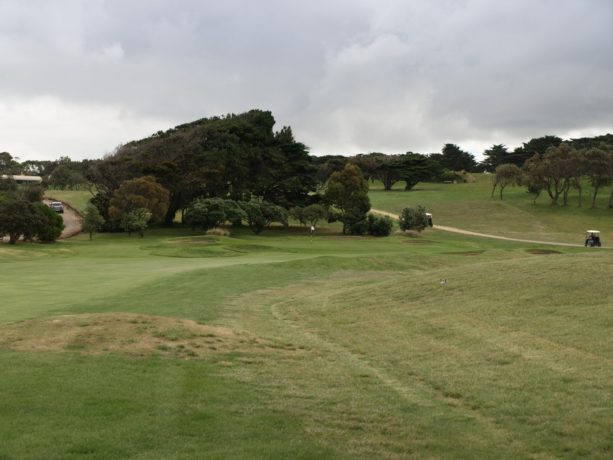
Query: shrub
(49,224)
(136,221)
(413,219)
(21,218)
(17,217)
(357,227)
(309,215)
(260,214)
(92,220)
(379,225)
(451,176)
(209,213)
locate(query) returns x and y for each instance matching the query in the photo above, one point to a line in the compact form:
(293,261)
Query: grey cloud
(348,76)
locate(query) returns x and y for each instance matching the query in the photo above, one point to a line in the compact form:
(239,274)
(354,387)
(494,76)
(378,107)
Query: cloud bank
(80,77)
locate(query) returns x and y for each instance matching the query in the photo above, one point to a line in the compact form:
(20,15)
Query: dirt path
(72,220)
(483,235)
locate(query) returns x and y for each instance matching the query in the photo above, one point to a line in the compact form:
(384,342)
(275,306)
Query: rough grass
(129,334)
(502,369)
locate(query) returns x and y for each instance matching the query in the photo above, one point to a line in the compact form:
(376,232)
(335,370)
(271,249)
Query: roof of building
(19,177)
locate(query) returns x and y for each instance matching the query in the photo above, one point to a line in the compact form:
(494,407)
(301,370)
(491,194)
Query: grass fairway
(469,207)
(181,345)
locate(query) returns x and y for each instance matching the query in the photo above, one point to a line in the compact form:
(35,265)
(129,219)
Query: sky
(80,77)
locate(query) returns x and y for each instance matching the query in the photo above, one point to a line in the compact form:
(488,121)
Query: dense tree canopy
(347,191)
(535,146)
(563,167)
(454,158)
(410,168)
(208,213)
(8,165)
(496,155)
(141,193)
(237,157)
(21,218)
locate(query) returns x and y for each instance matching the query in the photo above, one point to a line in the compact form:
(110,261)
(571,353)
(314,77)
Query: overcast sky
(79,77)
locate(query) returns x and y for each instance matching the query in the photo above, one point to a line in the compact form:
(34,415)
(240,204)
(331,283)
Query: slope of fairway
(508,359)
(470,207)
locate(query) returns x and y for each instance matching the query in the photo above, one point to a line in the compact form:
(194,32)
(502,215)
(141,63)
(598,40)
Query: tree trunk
(554,198)
(565,196)
(611,199)
(580,196)
(388,183)
(501,189)
(550,193)
(170,214)
(594,196)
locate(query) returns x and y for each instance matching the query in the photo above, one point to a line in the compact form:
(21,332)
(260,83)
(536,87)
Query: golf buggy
(429,218)
(592,238)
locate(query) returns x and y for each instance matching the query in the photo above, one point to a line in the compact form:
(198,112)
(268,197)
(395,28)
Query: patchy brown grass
(542,251)
(465,253)
(130,334)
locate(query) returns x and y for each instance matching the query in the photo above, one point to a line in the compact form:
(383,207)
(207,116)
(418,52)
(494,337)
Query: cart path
(72,220)
(484,235)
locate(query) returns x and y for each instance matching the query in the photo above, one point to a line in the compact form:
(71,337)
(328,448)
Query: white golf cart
(592,238)
(429,218)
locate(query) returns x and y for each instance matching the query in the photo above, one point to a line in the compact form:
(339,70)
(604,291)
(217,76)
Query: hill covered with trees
(236,157)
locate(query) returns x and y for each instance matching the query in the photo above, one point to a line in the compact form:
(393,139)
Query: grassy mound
(125,333)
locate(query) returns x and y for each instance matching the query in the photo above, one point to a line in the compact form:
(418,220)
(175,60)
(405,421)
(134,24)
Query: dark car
(57,207)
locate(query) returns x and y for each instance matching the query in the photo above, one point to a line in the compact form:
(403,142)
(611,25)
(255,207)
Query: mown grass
(345,347)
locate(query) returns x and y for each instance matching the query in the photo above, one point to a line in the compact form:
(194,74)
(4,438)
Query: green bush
(209,213)
(379,225)
(20,218)
(136,221)
(413,219)
(309,215)
(357,227)
(260,214)
(49,224)
(451,176)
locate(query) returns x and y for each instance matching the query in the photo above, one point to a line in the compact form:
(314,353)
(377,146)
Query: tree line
(240,167)
(561,169)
